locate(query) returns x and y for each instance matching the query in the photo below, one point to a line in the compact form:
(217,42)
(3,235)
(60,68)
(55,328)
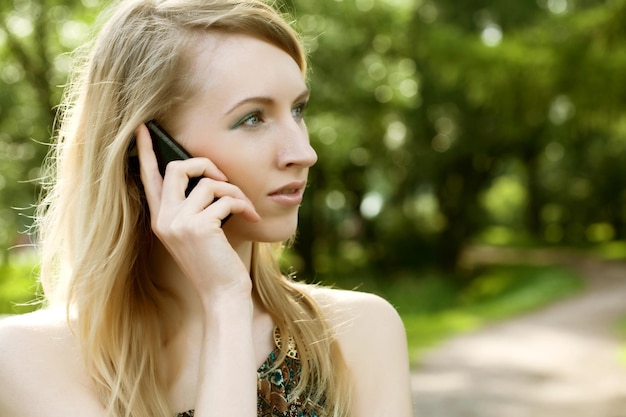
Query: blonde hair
(94,222)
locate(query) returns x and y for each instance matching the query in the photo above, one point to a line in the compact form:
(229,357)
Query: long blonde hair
(94,223)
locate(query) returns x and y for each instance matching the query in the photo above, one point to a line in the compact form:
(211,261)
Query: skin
(256,143)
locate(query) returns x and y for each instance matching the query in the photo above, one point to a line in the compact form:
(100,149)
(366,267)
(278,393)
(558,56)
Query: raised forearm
(227,374)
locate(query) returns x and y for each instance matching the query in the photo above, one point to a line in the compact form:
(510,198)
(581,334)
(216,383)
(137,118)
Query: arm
(227,374)
(41,374)
(190,229)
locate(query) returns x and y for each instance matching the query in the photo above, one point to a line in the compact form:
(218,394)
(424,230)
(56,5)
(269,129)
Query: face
(247,117)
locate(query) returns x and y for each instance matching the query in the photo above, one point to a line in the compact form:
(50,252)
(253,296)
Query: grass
(433,310)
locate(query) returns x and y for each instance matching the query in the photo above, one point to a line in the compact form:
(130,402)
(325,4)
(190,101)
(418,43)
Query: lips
(289,194)
(291,188)
(286,191)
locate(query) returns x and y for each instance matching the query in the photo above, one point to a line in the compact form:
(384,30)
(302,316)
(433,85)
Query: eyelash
(301,108)
(256,116)
(246,120)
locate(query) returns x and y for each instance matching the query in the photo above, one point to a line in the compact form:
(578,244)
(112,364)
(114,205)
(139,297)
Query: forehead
(225,70)
(237,61)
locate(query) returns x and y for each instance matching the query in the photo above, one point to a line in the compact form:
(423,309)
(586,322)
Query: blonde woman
(162,303)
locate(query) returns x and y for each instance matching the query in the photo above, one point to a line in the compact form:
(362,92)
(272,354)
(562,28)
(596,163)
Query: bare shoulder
(360,315)
(36,322)
(40,367)
(23,337)
(373,342)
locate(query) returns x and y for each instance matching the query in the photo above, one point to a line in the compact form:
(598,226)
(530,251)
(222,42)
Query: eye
(250,120)
(298,111)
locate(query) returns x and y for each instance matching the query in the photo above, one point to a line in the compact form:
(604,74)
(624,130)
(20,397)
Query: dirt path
(561,361)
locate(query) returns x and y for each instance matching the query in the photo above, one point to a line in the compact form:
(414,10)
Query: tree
(35,38)
(420,111)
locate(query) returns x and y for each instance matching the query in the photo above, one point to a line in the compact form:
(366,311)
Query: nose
(296,149)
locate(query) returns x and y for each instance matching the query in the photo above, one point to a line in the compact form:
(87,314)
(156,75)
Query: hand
(190,227)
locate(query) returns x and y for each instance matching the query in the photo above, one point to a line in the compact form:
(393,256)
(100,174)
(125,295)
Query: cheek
(246,163)
(246,173)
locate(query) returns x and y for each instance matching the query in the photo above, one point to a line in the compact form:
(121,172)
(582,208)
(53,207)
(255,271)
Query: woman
(166,308)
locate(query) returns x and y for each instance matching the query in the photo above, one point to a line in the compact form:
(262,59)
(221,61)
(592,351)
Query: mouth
(291,188)
(285,191)
(289,194)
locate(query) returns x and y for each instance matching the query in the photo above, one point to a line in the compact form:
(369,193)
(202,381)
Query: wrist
(238,293)
(228,307)
(228,323)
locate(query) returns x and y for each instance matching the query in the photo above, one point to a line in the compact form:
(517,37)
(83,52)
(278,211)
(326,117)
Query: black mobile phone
(167,149)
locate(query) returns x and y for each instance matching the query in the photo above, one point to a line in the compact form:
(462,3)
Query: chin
(276,234)
(274,230)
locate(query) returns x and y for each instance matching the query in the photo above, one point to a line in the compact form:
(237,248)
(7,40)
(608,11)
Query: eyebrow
(264,100)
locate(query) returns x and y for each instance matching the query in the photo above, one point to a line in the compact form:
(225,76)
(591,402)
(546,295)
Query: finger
(195,167)
(208,190)
(223,207)
(148,168)
(178,175)
(246,210)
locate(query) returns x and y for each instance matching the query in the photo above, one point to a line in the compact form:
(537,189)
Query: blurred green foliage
(19,287)
(36,38)
(442,123)
(438,123)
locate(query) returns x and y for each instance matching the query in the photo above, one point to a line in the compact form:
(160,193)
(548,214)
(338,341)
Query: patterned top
(274,389)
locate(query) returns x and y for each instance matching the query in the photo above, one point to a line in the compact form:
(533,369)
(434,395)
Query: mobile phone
(167,149)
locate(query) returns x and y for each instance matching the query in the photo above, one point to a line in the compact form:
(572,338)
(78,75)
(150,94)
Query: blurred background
(471,152)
